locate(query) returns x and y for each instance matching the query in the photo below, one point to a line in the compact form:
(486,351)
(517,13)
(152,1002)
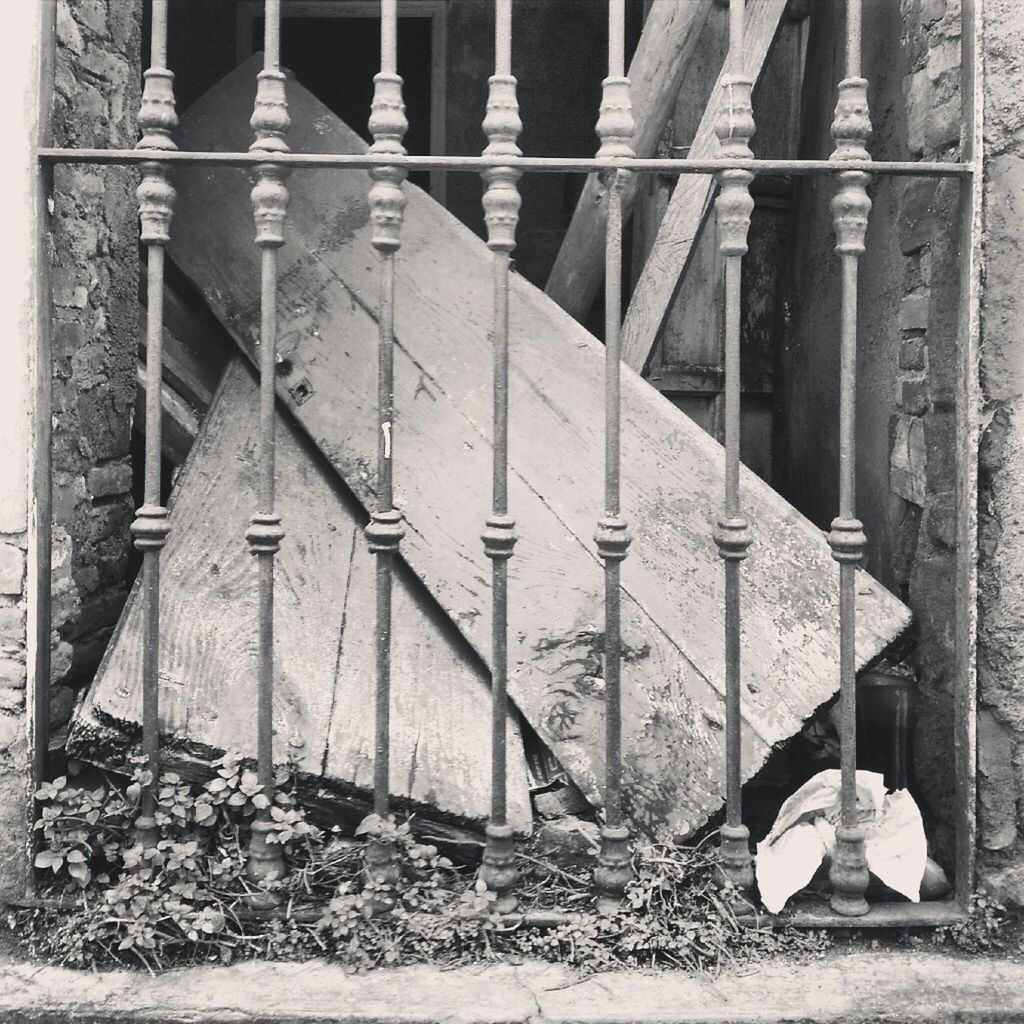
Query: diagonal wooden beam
(666,45)
(658,283)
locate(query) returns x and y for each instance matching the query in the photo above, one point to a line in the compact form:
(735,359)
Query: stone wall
(1001,471)
(922,469)
(95,325)
(907,328)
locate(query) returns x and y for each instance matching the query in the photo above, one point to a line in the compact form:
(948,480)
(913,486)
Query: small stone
(12,569)
(570,834)
(61,657)
(558,803)
(104,481)
(914,311)
(913,352)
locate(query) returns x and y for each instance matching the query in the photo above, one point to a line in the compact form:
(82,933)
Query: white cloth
(804,835)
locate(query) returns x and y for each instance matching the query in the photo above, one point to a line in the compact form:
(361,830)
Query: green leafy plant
(981,931)
(188,900)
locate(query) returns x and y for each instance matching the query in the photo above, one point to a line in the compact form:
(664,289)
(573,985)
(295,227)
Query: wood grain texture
(324,662)
(672,475)
(691,199)
(666,45)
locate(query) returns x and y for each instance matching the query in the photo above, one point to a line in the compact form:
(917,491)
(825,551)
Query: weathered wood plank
(691,199)
(666,45)
(323,637)
(672,474)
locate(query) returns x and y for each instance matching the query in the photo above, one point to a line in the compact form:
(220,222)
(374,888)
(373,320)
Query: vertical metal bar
(501,211)
(384,532)
(269,196)
(968,412)
(615,130)
(734,207)
(157,119)
(850,208)
(41,527)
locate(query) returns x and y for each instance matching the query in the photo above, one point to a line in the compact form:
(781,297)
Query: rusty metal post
(270,203)
(615,130)
(850,208)
(157,119)
(501,212)
(734,207)
(384,532)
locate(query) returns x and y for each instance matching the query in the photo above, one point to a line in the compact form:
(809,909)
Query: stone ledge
(890,985)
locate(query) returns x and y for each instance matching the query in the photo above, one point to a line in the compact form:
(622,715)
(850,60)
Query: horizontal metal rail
(476,164)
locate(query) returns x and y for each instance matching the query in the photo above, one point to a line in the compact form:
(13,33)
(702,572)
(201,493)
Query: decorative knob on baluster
(388,126)
(502,126)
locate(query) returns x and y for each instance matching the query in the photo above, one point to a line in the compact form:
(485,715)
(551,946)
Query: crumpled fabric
(804,836)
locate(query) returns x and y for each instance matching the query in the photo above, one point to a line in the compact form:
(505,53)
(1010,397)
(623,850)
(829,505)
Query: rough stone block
(932,11)
(916,217)
(914,397)
(12,569)
(12,699)
(62,703)
(943,127)
(940,446)
(914,311)
(104,481)
(93,15)
(12,624)
(913,353)
(944,60)
(940,520)
(12,673)
(997,818)
(69,34)
(68,338)
(920,100)
(908,460)
(14,869)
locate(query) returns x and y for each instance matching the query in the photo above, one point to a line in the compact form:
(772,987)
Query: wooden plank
(440,750)
(666,45)
(179,423)
(672,474)
(690,202)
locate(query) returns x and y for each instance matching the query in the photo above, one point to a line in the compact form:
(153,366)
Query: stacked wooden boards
(673,676)
(324,650)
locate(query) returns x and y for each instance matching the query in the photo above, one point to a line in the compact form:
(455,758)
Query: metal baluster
(734,206)
(384,532)
(156,196)
(501,212)
(850,208)
(270,203)
(615,130)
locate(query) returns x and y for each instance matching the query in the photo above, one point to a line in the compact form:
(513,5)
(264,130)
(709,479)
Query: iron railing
(501,166)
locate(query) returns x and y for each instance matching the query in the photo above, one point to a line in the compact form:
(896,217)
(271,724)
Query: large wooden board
(672,474)
(324,652)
